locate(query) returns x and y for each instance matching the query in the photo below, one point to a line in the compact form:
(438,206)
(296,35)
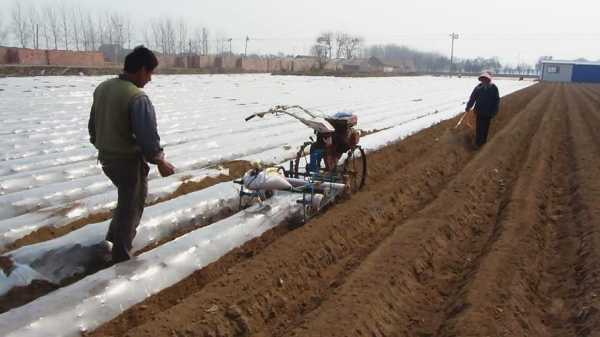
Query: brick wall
(305,64)
(333,65)
(255,64)
(28,56)
(280,64)
(193,61)
(71,58)
(181,61)
(207,61)
(287,64)
(3,55)
(273,64)
(227,62)
(166,61)
(96,59)
(50,57)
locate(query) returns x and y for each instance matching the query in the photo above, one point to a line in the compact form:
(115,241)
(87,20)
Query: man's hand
(165,168)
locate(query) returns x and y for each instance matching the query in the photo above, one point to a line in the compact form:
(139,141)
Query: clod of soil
(18,296)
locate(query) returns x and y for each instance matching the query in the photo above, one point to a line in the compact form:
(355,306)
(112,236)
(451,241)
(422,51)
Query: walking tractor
(330,164)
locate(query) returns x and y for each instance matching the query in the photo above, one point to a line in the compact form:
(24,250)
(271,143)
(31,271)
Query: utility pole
(230,53)
(453,36)
(246,48)
(204,41)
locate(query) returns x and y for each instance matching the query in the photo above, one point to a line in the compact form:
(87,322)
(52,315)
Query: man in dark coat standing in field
(486,99)
(122,126)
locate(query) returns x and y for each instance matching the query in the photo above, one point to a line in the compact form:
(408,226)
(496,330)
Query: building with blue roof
(570,71)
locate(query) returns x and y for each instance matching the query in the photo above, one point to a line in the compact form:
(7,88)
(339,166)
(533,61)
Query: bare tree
(117,25)
(221,42)
(108,29)
(352,46)
(170,36)
(158,31)
(163,39)
(75,28)
(33,19)
(147,37)
(341,40)
(64,21)
(164,36)
(128,30)
(321,51)
(344,44)
(155,29)
(20,26)
(101,29)
(51,22)
(45,31)
(326,40)
(182,35)
(4,30)
(92,32)
(83,28)
(69,25)
(205,43)
(196,41)
(3,36)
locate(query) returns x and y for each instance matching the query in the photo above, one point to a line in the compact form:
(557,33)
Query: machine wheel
(301,159)
(354,169)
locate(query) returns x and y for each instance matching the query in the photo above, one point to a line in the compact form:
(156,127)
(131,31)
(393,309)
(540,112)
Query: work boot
(102,253)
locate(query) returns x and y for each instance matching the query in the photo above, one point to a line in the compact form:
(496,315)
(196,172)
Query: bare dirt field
(443,241)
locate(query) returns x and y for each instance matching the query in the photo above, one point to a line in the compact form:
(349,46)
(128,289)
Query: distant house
(400,66)
(357,65)
(306,57)
(335,65)
(370,65)
(570,71)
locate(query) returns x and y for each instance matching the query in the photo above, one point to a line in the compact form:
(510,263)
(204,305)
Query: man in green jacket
(122,126)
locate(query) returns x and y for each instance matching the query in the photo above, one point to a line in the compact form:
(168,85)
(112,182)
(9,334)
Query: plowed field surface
(443,241)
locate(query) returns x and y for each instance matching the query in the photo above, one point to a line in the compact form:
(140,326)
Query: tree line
(56,25)
(340,44)
(329,45)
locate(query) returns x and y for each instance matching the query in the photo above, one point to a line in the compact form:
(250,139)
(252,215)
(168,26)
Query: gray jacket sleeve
(143,125)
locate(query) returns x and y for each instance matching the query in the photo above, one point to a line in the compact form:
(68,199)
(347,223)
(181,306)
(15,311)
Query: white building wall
(553,72)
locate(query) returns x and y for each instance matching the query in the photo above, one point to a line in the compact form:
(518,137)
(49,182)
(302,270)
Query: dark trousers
(483,127)
(130,176)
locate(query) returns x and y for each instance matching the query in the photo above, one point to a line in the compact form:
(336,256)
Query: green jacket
(113,136)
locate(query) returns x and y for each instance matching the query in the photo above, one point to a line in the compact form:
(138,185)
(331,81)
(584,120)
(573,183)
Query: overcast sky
(513,30)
